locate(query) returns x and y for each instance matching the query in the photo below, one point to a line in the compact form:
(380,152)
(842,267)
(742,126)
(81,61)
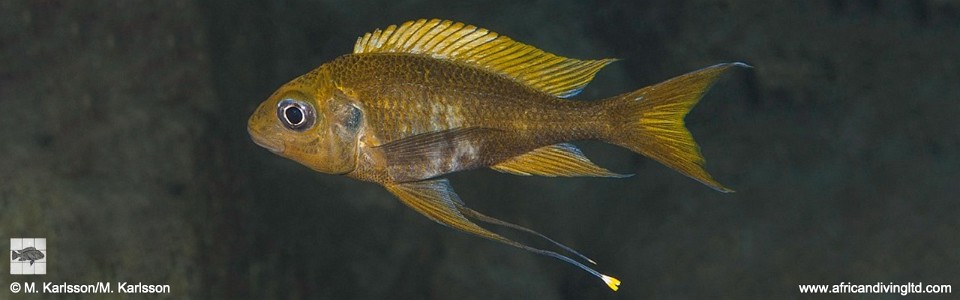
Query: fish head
(312,122)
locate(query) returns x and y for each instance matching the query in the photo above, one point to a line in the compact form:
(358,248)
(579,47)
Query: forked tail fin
(649,121)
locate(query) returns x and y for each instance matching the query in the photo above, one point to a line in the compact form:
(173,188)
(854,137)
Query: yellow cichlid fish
(430,97)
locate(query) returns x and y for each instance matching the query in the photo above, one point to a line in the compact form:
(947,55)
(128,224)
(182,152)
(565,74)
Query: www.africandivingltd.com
(876,288)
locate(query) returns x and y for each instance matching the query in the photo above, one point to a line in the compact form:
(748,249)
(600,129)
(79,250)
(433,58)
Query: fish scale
(427,98)
(486,103)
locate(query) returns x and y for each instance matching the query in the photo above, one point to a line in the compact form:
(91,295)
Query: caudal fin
(13,255)
(650,121)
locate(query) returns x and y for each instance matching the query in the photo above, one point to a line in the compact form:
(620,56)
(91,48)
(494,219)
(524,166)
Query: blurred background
(123,142)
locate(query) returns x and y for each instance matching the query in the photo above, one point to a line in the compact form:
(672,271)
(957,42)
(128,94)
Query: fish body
(28,253)
(431,97)
(503,118)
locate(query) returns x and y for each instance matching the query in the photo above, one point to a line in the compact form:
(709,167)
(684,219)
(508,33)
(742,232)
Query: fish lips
(274,145)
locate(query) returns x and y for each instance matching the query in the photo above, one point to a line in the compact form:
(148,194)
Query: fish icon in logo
(28,253)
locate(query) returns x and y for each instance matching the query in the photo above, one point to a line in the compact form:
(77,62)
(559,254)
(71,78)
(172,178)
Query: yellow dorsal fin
(559,76)
(554,160)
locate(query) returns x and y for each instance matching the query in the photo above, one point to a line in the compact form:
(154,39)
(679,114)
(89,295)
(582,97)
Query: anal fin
(562,159)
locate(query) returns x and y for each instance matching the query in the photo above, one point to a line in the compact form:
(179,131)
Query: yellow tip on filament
(613,283)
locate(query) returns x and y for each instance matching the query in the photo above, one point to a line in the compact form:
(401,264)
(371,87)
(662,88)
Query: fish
(28,253)
(426,98)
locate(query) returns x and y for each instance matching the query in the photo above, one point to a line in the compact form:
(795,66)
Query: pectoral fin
(433,145)
(555,160)
(437,200)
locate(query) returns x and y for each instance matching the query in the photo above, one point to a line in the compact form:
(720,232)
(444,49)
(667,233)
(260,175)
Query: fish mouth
(274,145)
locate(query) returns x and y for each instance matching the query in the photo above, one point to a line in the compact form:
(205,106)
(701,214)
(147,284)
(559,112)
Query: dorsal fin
(559,76)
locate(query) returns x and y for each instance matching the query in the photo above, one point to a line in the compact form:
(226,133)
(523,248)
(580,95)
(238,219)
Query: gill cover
(317,127)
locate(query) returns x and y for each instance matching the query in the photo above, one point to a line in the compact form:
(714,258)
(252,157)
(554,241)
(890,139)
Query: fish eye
(295,115)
